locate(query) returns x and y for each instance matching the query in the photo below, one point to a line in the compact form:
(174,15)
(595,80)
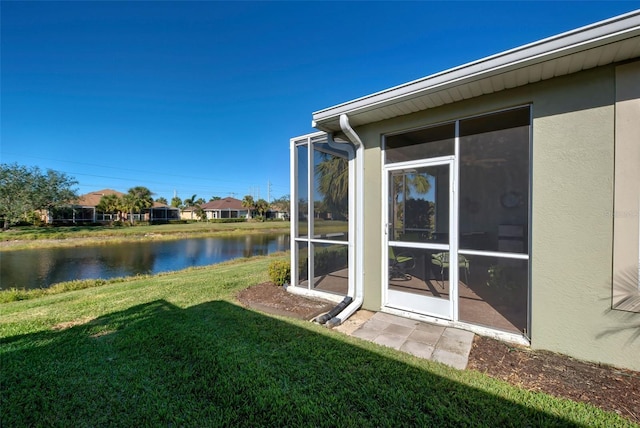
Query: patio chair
(442,260)
(400,264)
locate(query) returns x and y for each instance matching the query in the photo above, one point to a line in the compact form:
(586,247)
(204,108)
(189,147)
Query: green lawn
(177,350)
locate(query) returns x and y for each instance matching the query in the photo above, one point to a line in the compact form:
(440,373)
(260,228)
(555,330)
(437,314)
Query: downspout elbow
(349,132)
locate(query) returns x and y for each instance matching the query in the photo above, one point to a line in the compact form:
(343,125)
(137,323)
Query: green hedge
(227,220)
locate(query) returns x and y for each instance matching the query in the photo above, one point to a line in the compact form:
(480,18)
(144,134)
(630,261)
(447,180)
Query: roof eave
(599,34)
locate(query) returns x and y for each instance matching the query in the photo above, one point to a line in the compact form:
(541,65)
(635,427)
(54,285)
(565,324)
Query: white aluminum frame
(443,308)
(410,310)
(307,140)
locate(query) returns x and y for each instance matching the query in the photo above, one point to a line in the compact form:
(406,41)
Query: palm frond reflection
(332,181)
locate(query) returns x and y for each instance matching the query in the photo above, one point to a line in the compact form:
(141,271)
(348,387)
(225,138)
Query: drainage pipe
(322,319)
(355,227)
(346,146)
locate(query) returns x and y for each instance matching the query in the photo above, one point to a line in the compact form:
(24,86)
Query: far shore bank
(33,238)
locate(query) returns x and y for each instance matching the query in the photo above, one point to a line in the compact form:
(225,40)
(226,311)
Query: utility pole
(269,191)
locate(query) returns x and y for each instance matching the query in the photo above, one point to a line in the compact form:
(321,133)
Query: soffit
(610,41)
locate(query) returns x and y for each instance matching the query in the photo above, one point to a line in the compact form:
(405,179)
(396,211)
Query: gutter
(355,227)
(592,36)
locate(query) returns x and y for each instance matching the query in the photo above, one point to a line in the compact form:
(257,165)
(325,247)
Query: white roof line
(600,33)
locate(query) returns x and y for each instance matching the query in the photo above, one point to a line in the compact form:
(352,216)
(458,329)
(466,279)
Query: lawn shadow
(218,364)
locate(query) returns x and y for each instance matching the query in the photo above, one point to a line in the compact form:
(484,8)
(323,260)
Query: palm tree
(199,212)
(194,203)
(262,207)
(248,203)
(419,183)
(176,202)
(110,204)
(162,200)
(404,184)
(190,202)
(282,204)
(332,173)
(138,199)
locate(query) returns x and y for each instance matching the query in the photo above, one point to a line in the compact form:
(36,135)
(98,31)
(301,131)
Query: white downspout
(355,226)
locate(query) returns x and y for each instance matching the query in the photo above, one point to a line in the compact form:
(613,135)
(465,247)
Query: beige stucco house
(219,209)
(225,208)
(501,196)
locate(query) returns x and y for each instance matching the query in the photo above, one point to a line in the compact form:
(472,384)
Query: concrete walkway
(443,344)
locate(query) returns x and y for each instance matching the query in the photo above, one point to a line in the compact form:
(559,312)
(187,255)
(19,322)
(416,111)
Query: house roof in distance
(92,199)
(605,42)
(227,203)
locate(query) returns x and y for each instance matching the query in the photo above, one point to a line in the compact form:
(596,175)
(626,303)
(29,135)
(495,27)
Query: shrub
(227,220)
(169,221)
(15,294)
(280,272)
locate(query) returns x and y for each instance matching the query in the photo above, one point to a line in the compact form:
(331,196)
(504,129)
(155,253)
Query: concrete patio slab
(446,345)
(427,337)
(390,340)
(398,329)
(450,358)
(417,349)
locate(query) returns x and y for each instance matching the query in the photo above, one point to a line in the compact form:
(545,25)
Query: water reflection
(44,267)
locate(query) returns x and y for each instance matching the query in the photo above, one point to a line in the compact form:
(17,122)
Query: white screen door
(421,275)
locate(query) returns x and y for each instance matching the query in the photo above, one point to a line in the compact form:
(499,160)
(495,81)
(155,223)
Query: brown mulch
(270,298)
(609,388)
(606,387)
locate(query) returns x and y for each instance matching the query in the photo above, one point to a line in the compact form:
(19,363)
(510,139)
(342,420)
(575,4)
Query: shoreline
(32,244)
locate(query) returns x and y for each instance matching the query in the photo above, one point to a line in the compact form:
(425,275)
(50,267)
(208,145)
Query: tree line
(25,192)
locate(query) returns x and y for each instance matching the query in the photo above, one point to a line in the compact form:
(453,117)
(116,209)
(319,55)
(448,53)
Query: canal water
(41,268)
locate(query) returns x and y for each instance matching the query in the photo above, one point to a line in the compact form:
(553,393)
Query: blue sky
(203,97)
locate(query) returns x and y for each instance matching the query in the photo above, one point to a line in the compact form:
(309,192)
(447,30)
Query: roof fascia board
(581,39)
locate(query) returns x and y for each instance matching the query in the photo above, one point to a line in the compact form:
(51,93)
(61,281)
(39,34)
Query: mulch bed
(270,298)
(609,388)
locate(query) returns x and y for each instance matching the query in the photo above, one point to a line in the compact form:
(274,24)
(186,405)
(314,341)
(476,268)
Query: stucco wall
(626,212)
(373,241)
(572,228)
(572,200)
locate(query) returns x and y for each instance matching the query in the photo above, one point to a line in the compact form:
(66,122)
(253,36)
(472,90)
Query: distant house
(229,208)
(163,212)
(501,196)
(83,210)
(225,208)
(188,213)
(278,211)
(273,213)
